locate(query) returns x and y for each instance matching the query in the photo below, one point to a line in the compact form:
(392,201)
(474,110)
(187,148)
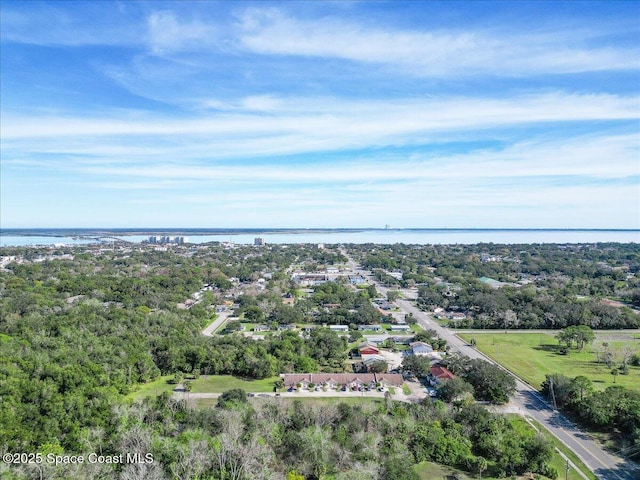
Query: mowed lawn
(153,388)
(531,356)
(204,384)
(222,383)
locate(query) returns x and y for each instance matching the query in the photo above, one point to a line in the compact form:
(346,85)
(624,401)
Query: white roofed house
(339,328)
(402,327)
(421,348)
(373,328)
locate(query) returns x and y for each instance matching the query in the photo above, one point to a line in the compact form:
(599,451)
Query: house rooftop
(441,373)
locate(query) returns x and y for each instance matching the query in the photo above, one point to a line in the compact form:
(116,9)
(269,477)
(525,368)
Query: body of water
(418,237)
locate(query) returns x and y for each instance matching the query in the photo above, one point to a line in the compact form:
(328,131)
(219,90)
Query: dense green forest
(80,327)
(277,438)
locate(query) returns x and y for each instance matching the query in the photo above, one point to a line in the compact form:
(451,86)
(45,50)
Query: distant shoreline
(66,232)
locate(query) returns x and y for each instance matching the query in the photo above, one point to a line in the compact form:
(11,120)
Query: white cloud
(167,34)
(428,53)
(583,158)
(341,120)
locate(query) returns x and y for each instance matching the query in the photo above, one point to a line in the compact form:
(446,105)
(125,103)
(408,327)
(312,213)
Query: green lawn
(533,355)
(154,388)
(204,384)
(433,471)
(415,328)
(222,383)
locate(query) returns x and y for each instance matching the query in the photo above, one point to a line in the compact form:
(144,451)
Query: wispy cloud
(429,53)
(167,34)
(428,114)
(343,118)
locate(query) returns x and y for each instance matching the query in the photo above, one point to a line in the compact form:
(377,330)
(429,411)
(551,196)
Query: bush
(232,397)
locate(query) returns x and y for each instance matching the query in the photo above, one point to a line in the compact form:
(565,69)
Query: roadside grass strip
(578,470)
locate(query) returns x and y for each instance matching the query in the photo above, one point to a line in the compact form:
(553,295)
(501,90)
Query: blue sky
(320,114)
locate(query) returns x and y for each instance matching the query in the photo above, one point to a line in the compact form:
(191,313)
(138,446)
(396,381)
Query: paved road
(529,402)
(213,326)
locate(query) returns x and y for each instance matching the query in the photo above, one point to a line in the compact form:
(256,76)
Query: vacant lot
(152,389)
(533,355)
(204,384)
(222,383)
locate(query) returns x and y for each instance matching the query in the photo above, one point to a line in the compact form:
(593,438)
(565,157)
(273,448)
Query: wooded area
(80,327)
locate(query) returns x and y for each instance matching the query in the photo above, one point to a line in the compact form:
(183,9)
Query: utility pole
(553,395)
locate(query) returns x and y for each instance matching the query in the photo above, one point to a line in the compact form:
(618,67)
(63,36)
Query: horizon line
(281,229)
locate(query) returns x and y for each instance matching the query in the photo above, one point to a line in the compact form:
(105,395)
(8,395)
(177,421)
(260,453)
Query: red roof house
(441,373)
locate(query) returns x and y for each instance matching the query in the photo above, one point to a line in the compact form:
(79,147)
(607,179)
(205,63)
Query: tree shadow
(535,401)
(547,347)
(629,471)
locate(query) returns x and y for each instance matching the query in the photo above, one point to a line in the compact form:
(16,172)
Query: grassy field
(152,389)
(533,355)
(222,383)
(433,471)
(204,384)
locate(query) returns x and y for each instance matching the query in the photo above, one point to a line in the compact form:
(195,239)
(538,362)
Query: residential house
(438,374)
(402,327)
(366,348)
(309,279)
(421,348)
(373,328)
(389,379)
(369,360)
(289,327)
(339,328)
(376,339)
(353,381)
(402,339)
